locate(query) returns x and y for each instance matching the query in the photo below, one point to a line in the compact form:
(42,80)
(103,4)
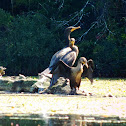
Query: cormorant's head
(83,60)
(67,32)
(74,28)
(91,64)
(71,29)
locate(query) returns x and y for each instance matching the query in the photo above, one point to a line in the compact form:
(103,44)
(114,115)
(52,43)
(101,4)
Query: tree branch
(78,14)
(85,33)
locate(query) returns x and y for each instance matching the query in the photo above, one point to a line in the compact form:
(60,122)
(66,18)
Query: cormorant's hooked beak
(75,28)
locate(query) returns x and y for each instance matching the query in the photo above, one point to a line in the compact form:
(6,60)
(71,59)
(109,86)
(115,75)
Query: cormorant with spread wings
(67,54)
(72,73)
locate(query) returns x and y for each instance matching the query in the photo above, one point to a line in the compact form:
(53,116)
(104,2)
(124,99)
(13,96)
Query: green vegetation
(32,31)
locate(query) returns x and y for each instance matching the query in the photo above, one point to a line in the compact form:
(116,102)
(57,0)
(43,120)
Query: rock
(61,87)
(42,86)
(16,84)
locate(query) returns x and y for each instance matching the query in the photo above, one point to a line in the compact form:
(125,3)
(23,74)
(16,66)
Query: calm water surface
(60,120)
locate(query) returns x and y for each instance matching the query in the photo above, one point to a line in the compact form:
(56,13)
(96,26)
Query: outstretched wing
(55,59)
(58,55)
(62,69)
(70,58)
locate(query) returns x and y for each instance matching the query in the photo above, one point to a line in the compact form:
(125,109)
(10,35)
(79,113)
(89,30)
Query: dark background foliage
(31,31)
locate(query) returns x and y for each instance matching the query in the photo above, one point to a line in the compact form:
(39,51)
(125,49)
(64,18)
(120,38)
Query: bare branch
(110,32)
(61,6)
(77,14)
(101,22)
(77,18)
(43,8)
(85,33)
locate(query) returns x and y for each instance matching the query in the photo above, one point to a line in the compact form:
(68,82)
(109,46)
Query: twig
(85,33)
(61,5)
(81,13)
(43,7)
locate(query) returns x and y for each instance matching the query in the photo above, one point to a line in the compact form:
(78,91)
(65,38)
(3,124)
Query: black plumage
(67,54)
(68,59)
(88,72)
(72,73)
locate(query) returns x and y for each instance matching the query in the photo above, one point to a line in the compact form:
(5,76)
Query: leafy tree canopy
(31,31)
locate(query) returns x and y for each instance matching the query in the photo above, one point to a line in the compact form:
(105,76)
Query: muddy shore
(108,99)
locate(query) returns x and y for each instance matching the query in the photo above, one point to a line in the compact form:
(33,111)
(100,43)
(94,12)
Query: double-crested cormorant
(88,72)
(68,59)
(72,73)
(66,54)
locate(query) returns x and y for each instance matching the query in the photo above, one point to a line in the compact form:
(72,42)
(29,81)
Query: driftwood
(18,84)
(42,86)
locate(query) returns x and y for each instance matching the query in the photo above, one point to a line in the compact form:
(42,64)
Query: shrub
(29,45)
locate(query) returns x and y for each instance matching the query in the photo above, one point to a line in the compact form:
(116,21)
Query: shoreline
(12,104)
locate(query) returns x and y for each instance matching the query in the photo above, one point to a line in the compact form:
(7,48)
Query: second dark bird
(88,72)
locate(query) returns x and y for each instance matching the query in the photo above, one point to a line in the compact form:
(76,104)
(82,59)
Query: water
(60,120)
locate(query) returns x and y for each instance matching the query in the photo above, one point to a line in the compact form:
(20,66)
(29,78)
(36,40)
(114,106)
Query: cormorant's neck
(67,37)
(79,67)
(74,48)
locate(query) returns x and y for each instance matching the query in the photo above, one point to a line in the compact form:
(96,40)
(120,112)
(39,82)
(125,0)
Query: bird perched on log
(88,72)
(66,54)
(72,73)
(68,59)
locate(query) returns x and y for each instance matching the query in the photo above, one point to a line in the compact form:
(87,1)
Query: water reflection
(60,120)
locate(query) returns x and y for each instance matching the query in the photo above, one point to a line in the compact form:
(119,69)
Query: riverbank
(108,99)
(14,104)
